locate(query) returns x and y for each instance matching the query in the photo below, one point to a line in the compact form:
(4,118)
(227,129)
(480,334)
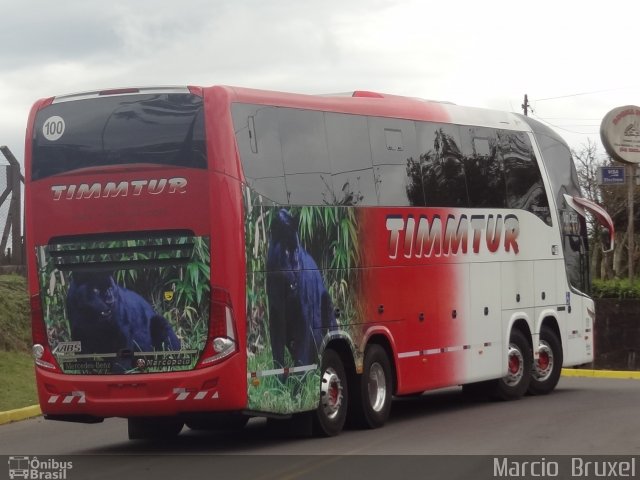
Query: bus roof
(364,102)
(358,102)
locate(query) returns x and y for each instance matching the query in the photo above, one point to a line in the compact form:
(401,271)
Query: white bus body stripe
(436,351)
(431,351)
(408,354)
(281,371)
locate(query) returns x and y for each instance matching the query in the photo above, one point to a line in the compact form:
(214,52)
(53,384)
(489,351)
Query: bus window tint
(350,157)
(305,156)
(309,189)
(525,189)
(165,129)
(483,161)
(440,165)
(256,129)
(393,149)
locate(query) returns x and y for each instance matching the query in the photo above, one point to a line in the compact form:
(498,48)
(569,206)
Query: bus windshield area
(161,129)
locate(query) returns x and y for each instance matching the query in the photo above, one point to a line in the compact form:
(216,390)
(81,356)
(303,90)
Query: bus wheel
(154,428)
(520,362)
(546,370)
(332,409)
(372,402)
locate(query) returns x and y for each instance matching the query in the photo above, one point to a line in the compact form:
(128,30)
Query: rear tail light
(222,339)
(41,351)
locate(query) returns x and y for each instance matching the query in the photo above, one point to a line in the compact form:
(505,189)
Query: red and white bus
(205,255)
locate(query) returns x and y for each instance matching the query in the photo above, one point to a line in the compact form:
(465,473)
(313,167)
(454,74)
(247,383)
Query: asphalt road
(583,416)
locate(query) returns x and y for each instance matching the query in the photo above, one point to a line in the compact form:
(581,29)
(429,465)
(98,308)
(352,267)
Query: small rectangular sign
(611,175)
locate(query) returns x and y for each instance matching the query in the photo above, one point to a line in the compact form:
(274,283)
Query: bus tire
(334,396)
(519,365)
(546,370)
(154,428)
(373,389)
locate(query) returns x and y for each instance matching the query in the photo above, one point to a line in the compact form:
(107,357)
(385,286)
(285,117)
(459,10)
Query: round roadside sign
(620,133)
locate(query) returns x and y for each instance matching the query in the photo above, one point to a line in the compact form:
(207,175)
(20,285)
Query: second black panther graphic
(302,269)
(300,308)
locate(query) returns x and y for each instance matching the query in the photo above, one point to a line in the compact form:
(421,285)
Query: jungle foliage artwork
(126,306)
(301,289)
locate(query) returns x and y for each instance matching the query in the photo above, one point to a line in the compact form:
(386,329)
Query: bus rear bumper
(220,387)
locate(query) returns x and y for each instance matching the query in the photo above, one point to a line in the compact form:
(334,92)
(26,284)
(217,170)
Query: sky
(576,60)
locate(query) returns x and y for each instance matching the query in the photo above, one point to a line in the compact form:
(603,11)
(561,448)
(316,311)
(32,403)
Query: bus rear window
(162,129)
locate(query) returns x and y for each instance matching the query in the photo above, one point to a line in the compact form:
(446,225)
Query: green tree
(613,198)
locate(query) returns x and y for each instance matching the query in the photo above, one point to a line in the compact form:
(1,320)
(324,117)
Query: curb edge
(575,372)
(20,414)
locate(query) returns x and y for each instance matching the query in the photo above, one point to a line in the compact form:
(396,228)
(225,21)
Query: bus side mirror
(582,205)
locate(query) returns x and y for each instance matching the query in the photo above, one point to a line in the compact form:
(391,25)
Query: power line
(561,128)
(577,124)
(583,93)
(574,118)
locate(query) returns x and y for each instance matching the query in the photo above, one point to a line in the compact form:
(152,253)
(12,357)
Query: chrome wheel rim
(515,366)
(331,393)
(543,367)
(377,386)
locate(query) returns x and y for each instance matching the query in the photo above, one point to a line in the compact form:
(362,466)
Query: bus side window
(350,157)
(484,167)
(440,165)
(393,148)
(575,246)
(305,157)
(525,189)
(258,140)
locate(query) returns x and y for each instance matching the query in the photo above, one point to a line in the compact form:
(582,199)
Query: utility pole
(525,106)
(631,169)
(614,133)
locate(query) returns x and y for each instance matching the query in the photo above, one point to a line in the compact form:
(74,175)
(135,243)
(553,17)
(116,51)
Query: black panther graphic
(108,318)
(300,309)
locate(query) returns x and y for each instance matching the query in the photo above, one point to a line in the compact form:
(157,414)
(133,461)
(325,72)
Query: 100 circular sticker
(53,128)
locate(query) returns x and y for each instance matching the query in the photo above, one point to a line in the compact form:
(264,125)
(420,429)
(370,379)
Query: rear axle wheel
(546,370)
(373,389)
(519,365)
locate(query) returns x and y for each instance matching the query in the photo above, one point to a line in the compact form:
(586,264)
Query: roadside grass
(15,325)
(17,377)
(17,381)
